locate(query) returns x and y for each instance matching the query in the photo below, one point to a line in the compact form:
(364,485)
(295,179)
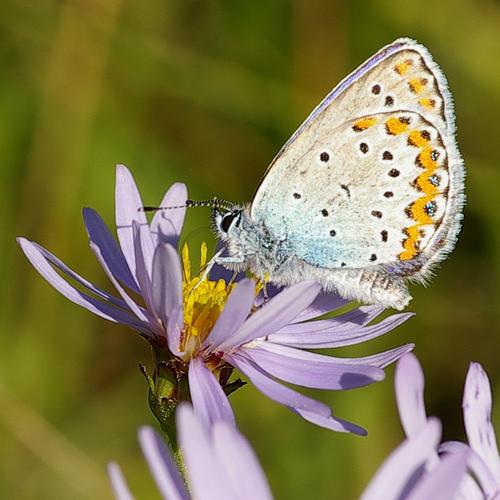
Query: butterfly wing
(374,175)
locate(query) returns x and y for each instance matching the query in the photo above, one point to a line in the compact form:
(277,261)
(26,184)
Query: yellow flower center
(203,301)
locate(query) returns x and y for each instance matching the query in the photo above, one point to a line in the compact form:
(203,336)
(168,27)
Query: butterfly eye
(226,221)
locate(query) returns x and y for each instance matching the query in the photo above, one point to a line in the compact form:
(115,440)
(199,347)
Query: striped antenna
(214,203)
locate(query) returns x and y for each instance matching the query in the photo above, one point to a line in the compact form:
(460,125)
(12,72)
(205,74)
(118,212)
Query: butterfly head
(226,220)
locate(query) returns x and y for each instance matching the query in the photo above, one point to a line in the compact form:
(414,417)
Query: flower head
(481,452)
(219,463)
(201,329)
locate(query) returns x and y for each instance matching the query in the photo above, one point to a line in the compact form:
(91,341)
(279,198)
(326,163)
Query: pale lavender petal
(99,235)
(161,465)
(381,360)
(36,251)
(39,258)
(337,335)
(242,468)
(353,319)
(331,423)
(210,404)
(128,204)
(396,473)
(118,483)
(272,316)
(235,312)
(274,390)
(443,481)
(206,475)
(309,369)
(409,384)
(484,475)
(138,311)
(167,293)
(477,417)
(175,196)
(142,272)
(324,303)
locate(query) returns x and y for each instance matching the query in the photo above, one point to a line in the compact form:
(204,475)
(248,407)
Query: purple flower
(480,455)
(412,470)
(201,329)
(219,463)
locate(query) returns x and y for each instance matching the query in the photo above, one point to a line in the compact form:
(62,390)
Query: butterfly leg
(231,263)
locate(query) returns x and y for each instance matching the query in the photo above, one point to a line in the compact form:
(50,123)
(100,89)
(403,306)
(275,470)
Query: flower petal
(176,195)
(210,404)
(409,384)
(443,481)
(235,312)
(127,210)
(309,369)
(161,465)
(399,469)
(352,319)
(322,304)
(242,468)
(337,335)
(382,359)
(205,473)
(138,311)
(40,258)
(141,267)
(118,483)
(477,417)
(331,423)
(274,390)
(99,235)
(272,316)
(167,292)
(478,467)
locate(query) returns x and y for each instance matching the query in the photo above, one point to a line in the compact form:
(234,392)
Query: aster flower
(483,461)
(404,474)
(219,463)
(201,329)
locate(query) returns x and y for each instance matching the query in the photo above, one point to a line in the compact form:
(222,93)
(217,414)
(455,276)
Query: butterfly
(367,195)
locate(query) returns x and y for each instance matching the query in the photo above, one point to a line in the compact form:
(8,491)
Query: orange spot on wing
(425,185)
(417,210)
(415,138)
(417,84)
(427,103)
(403,67)
(410,244)
(395,126)
(425,160)
(364,123)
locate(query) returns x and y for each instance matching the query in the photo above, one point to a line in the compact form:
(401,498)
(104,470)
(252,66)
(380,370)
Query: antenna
(214,203)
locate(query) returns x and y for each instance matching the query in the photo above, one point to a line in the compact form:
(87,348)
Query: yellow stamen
(203,302)
(186,262)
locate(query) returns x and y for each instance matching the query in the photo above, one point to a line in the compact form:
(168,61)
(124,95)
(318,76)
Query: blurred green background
(206,92)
